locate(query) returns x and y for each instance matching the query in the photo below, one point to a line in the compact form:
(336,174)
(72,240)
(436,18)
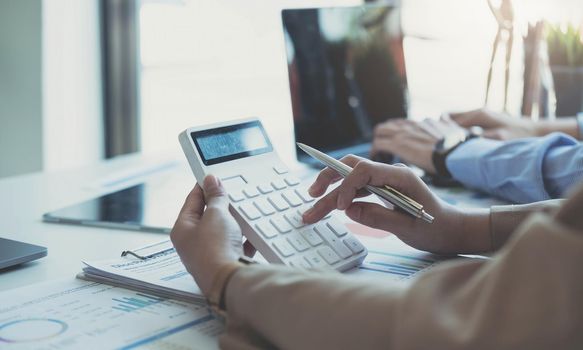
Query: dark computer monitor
(346,72)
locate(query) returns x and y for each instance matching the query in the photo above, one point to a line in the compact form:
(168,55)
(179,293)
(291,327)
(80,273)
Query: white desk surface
(24,199)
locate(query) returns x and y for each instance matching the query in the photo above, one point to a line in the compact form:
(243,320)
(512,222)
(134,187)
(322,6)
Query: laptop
(347,74)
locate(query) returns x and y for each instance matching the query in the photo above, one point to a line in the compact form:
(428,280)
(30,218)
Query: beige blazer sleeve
(528,296)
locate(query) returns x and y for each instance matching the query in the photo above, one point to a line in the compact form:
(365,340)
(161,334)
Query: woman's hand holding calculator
(206,238)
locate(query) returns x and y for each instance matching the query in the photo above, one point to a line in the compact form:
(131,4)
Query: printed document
(75,314)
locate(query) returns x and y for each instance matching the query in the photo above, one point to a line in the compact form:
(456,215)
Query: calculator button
(283,248)
(280,170)
(281,225)
(295,220)
(266,229)
(278,202)
(278,184)
(315,260)
(311,236)
(265,188)
(250,211)
(298,242)
(354,245)
(328,255)
(338,228)
(264,206)
(236,196)
(305,196)
(292,198)
(299,262)
(251,192)
(334,241)
(292,181)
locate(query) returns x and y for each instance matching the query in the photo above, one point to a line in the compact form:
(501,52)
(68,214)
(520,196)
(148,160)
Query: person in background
(516,159)
(528,296)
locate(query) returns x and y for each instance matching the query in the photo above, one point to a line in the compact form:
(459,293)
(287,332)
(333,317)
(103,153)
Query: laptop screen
(346,72)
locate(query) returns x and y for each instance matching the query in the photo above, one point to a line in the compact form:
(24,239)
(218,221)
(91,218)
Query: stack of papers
(161,273)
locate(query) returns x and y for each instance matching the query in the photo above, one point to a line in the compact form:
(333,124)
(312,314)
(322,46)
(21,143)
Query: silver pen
(387,193)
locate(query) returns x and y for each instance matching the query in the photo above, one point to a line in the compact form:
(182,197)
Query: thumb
(214,192)
(376,216)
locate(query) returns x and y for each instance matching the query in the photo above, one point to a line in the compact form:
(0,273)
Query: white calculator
(266,199)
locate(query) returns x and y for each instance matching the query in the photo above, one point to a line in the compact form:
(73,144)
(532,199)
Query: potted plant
(565,45)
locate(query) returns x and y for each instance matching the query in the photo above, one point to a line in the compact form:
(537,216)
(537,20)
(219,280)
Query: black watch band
(439,155)
(438,158)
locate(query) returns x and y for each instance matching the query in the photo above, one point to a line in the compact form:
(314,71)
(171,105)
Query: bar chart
(130,304)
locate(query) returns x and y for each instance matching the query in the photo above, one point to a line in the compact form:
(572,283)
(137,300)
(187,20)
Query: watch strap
(438,159)
(439,155)
(216,297)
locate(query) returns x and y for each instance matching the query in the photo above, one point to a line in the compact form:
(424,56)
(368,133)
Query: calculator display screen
(231,142)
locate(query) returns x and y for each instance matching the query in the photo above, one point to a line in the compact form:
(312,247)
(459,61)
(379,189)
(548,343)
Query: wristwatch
(447,145)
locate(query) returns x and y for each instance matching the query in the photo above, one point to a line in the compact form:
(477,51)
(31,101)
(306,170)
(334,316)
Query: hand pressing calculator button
(266,199)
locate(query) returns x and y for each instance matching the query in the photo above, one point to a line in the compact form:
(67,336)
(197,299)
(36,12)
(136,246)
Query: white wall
(72,109)
(20,87)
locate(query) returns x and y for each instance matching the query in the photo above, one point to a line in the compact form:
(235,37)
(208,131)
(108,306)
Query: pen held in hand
(387,193)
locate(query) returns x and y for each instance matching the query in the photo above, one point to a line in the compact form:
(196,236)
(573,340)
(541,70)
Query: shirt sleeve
(520,171)
(528,296)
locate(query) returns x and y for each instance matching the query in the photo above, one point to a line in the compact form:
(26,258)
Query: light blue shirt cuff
(464,162)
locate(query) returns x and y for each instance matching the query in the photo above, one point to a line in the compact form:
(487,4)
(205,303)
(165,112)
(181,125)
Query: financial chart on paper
(74,314)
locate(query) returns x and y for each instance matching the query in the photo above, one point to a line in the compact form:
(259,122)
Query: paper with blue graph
(75,314)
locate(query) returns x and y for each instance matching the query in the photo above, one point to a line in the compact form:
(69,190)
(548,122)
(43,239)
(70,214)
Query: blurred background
(86,80)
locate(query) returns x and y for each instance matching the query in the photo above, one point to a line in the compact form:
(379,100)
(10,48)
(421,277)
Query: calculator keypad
(274,209)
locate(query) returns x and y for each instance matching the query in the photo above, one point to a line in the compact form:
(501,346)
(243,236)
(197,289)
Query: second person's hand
(453,231)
